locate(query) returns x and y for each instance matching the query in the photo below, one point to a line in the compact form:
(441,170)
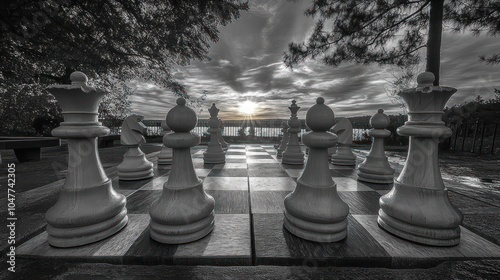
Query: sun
(248,107)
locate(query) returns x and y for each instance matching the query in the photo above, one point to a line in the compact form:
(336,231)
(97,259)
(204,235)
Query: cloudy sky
(246,64)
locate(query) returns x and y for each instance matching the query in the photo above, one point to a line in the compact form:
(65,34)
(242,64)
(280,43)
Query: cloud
(246,64)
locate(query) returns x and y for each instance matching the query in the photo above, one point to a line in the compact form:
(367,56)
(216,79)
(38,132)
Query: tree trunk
(434,38)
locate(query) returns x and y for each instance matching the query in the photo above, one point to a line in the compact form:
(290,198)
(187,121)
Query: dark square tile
(237,172)
(267,172)
(147,251)
(260,156)
(274,245)
(268,201)
(230,202)
(140,201)
(361,203)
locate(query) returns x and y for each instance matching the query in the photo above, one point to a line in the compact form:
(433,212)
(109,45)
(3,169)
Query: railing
(478,137)
(253,129)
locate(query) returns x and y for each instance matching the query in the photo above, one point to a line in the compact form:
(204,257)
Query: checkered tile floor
(249,190)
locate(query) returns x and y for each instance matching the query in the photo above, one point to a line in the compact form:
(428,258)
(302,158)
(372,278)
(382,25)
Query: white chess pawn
(376,168)
(184,212)
(134,166)
(165,155)
(344,154)
(314,210)
(418,208)
(88,209)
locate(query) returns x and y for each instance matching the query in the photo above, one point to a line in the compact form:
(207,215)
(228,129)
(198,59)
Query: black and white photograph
(233,139)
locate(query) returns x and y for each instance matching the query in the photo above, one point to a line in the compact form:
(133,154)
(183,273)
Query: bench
(28,148)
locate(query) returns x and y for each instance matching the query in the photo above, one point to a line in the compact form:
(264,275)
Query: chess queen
(417,208)
(88,208)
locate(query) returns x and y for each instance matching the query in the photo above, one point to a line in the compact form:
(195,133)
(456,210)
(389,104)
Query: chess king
(417,208)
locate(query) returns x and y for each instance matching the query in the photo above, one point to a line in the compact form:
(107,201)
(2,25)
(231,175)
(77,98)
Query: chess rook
(284,140)
(184,212)
(314,210)
(293,154)
(376,168)
(223,143)
(214,153)
(134,166)
(88,208)
(417,208)
(344,154)
(165,155)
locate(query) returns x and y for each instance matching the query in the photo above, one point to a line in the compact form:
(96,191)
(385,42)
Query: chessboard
(249,190)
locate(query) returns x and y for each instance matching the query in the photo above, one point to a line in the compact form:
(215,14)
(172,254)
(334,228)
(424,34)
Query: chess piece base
(85,216)
(344,156)
(182,215)
(214,157)
(165,156)
(375,178)
(420,215)
(317,232)
(135,166)
(293,157)
(179,234)
(316,213)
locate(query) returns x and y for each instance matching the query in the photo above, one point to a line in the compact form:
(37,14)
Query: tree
(48,40)
(43,42)
(391,32)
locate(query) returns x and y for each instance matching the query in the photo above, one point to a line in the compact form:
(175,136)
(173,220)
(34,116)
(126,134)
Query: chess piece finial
(181,118)
(214,111)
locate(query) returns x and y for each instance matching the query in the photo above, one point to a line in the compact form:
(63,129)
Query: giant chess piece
(223,143)
(417,208)
(284,140)
(184,212)
(165,155)
(134,166)
(376,168)
(293,154)
(314,210)
(343,155)
(307,148)
(88,208)
(214,152)
(331,150)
